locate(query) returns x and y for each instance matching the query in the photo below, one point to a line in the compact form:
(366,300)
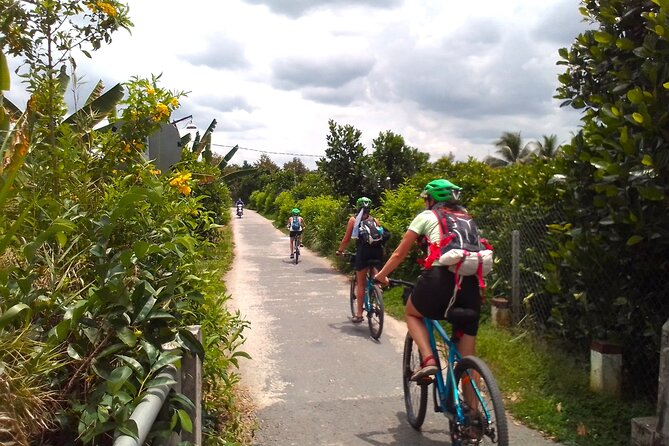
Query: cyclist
(364,252)
(434,287)
(295,226)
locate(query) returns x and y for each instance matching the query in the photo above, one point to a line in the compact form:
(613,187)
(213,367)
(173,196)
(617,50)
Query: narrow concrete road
(315,378)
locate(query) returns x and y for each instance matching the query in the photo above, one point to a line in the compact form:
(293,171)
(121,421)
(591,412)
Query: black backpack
(370,232)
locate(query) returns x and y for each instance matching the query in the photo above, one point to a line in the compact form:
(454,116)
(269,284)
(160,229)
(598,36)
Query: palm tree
(511,149)
(548,148)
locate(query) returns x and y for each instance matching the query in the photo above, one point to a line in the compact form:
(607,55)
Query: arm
(397,256)
(304,226)
(347,235)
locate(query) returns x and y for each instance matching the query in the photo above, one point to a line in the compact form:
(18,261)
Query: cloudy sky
(447,75)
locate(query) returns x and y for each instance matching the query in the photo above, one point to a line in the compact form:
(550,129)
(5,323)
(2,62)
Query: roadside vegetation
(101,253)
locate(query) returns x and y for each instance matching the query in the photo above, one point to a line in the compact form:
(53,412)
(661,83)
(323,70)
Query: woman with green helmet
(366,253)
(435,286)
(295,225)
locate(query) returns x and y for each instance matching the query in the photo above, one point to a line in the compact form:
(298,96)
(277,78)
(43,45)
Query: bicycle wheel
(479,428)
(352,295)
(297,248)
(415,395)
(375,312)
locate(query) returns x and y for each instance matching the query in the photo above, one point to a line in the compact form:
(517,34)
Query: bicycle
(372,300)
(459,379)
(298,242)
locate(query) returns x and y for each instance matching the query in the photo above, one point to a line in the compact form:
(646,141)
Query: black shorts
(433,292)
(294,233)
(368,255)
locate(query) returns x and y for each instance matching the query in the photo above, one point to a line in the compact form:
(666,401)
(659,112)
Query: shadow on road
(360,330)
(404,434)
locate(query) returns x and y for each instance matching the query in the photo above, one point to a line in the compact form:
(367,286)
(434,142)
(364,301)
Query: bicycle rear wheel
(486,423)
(352,295)
(297,254)
(375,312)
(415,395)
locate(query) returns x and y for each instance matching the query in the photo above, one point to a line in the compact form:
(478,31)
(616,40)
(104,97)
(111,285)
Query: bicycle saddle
(461,315)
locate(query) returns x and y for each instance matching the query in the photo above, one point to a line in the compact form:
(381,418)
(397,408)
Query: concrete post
(499,312)
(606,363)
(191,386)
(654,431)
(663,385)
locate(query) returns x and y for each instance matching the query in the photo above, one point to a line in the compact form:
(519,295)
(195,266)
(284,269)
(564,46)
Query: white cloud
(447,76)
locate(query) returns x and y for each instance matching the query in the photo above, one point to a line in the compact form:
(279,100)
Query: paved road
(316,378)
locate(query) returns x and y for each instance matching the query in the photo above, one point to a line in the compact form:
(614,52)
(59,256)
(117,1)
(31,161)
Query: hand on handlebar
(382,280)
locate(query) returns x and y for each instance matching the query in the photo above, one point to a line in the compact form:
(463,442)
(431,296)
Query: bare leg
(467,346)
(360,284)
(417,329)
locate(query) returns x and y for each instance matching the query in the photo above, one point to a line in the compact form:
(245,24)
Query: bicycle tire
(296,241)
(375,312)
(494,430)
(415,395)
(352,295)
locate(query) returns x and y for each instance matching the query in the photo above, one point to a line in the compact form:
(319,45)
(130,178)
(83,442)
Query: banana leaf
(238,174)
(4,73)
(99,108)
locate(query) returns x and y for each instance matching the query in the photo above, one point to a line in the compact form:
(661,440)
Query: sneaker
(292,256)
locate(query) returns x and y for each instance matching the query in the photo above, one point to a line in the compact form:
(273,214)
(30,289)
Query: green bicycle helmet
(295,211)
(441,190)
(363,202)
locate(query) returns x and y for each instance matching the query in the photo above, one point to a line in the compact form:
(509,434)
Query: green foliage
(325,216)
(344,161)
(617,171)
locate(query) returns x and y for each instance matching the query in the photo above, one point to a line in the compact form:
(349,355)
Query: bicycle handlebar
(396,282)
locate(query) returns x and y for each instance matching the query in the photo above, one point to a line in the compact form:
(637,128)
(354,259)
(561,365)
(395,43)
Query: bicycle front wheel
(481,399)
(415,395)
(297,255)
(375,312)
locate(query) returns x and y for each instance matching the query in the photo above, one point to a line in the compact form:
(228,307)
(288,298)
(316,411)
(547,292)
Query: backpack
(370,232)
(295,224)
(460,247)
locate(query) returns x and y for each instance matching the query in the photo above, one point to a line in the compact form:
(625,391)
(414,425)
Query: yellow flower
(162,109)
(155,171)
(107,9)
(150,91)
(185,189)
(174,102)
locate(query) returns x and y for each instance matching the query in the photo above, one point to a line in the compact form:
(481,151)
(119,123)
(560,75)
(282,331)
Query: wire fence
(633,300)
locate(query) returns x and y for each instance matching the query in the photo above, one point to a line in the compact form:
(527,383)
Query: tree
(616,180)
(511,149)
(548,148)
(394,161)
(344,162)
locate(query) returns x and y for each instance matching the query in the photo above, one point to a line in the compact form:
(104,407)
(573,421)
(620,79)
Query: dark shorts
(294,233)
(368,255)
(433,292)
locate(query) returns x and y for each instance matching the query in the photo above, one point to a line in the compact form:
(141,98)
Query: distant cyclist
(435,286)
(369,237)
(295,226)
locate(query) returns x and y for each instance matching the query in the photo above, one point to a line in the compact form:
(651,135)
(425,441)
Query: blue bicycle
(464,388)
(372,304)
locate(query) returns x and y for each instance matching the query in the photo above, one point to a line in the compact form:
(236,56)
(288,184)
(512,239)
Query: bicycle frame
(446,387)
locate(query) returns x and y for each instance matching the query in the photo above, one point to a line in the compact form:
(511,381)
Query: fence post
(191,386)
(515,275)
(654,431)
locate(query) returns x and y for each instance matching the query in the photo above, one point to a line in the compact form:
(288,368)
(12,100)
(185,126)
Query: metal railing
(188,382)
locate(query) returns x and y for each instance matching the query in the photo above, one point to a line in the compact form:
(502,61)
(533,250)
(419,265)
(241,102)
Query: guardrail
(189,383)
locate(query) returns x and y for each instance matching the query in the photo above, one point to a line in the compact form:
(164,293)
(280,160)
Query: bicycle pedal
(425,380)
